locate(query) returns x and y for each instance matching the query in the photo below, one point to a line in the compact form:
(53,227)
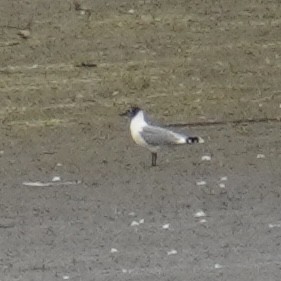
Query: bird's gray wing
(159,136)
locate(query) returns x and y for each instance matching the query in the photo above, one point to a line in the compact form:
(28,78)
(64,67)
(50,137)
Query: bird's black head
(132,112)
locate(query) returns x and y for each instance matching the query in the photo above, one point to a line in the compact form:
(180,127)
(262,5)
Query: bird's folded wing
(160,136)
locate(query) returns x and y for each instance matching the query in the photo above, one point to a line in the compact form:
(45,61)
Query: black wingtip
(192,140)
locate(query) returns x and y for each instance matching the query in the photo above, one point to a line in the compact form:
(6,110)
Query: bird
(154,137)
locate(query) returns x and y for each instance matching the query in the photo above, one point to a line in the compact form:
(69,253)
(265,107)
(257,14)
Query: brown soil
(183,62)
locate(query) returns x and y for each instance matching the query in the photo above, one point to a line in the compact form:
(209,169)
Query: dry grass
(223,64)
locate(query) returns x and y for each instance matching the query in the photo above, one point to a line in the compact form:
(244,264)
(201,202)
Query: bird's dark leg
(154,158)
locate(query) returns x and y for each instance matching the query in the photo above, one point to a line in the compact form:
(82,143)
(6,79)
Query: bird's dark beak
(126,113)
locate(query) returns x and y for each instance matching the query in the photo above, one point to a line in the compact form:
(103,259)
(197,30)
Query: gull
(154,137)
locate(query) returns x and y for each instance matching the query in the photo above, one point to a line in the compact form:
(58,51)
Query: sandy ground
(191,62)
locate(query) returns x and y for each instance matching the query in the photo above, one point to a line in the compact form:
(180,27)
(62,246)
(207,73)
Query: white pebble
(206,158)
(199,183)
(223,179)
(260,156)
(132,11)
(199,214)
(57,178)
(222,185)
(141,221)
(1,152)
(218,266)
(135,223)
(113,250)
(65,277)
(132,214)
(172,252)
(280,105)
(59,164)
(166,226)
(203,221)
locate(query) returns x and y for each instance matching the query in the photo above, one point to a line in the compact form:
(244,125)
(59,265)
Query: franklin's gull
(153,137)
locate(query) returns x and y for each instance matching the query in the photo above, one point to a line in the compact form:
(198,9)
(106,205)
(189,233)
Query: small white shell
(113,250)
(206,158)
(199,214)
(172,252)
(200,183)
(260,156)
(166,226)
(56,178)
(135,223)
